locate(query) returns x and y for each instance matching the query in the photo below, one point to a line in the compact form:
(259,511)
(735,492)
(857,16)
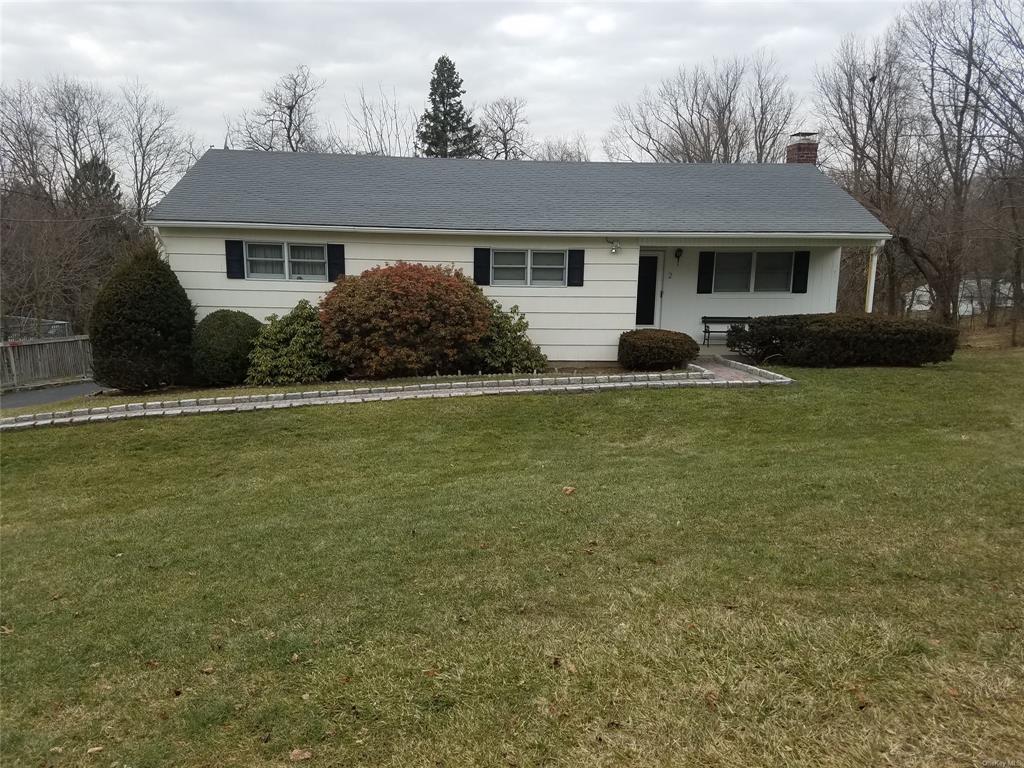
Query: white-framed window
(265,260)
(547,267)
(307,262)
(286,261)
(732,272)
(509,267)
(773,272)
(528,267)
(753,271)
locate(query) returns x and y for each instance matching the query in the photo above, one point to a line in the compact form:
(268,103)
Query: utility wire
(65,221)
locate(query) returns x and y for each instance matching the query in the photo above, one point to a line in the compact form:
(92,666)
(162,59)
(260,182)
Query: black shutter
(574,276)
(335,261)
(234,259)
(801,262)
(482,266)
(705,271)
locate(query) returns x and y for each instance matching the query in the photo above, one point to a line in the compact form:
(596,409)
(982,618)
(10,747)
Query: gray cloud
(572,63)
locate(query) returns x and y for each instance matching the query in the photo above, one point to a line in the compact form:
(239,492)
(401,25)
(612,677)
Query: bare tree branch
(382,127)
(286,120)
(504,129)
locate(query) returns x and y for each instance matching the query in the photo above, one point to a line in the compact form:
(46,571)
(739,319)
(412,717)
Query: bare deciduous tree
(736,110)
(82,123)
(566,149)
(504,131)
(771,105)
(865,102)
(382,126)
(1002,70)
(945,39)
(26,151)
(156,152)
(286,119)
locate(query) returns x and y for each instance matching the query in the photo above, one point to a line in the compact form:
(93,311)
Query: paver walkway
(717,372)
(44,395)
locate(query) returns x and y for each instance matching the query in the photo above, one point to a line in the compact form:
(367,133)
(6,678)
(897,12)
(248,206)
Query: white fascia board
(826,236)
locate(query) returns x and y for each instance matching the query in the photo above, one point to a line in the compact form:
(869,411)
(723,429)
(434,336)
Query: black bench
(709,321)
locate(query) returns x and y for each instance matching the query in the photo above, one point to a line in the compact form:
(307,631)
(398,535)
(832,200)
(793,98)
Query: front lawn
(828,574)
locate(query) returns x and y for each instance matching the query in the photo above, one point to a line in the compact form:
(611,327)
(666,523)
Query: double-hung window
(307,262)
(732,272)
(509,267)
(547,267)
(264,260)
(286,261)
(528,267)
(773,272)
(760,272)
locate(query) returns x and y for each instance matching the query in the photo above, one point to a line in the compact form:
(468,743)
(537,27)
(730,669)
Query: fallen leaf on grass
(711,699)
(299,754)
(430,672)
(93,750)
(5,630)
(207,670)
(568,490)
(863,702)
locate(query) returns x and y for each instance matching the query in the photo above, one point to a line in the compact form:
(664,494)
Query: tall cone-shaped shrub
(141,325)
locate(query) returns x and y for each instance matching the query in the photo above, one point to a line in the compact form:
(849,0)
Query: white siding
(682,307)
(569,323)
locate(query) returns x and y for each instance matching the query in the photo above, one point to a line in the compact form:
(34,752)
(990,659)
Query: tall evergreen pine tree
(446,129)
(94,188)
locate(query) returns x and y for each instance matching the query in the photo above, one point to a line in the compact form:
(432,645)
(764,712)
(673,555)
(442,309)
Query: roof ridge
(501,161)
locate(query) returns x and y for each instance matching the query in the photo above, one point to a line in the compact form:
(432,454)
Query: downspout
(869,294)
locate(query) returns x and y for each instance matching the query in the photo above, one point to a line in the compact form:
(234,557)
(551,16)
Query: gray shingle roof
(427,193)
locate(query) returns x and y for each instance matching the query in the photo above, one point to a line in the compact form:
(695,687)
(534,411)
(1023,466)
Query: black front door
(646,290)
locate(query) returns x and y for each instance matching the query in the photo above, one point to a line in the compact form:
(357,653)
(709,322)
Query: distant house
(587,250)
(975,297)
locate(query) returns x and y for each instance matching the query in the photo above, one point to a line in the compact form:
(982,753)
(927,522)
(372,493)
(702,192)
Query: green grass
(830,574)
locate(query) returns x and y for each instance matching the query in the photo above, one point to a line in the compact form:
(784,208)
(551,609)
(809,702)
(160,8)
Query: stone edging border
(693,376)
(753,370)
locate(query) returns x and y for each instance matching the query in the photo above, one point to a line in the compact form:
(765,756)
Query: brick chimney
(802,148)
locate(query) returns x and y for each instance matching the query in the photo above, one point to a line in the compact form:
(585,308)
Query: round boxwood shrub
(289,349)
(651,349)
(506,347)
(221,347)
(141,325)
(403,320)
(833,340)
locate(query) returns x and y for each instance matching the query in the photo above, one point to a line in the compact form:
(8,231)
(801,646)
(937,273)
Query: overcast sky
(572,62)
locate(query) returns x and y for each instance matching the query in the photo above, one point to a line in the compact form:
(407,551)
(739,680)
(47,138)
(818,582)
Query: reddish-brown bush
(403,320)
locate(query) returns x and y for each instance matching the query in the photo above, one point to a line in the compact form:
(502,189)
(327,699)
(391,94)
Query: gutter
(868,236)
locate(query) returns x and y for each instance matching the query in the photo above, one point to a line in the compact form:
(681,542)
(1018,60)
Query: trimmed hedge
(403,320)
(651,349)
(289,349)
(221,347)
(833,340)
(141,325)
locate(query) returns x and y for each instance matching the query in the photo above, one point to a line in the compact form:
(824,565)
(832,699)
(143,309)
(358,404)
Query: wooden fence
(44,361)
